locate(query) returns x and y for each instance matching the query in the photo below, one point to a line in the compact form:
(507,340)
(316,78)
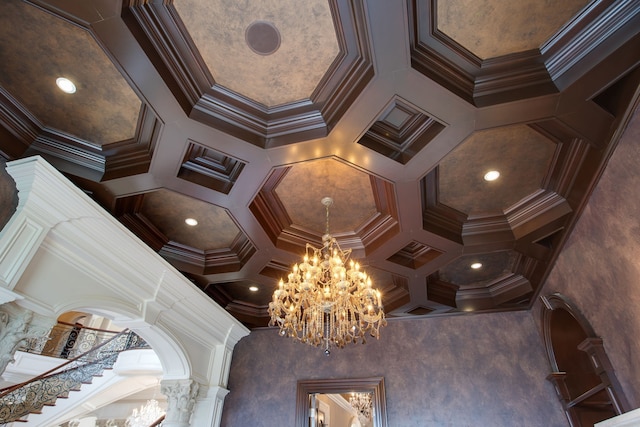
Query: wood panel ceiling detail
(397,125)
(401,131)
(210,168)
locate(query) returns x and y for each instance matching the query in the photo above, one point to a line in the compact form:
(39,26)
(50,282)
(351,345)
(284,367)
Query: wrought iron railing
(67,340)
(29,397)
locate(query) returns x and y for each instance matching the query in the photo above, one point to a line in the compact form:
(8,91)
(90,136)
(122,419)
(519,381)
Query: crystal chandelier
(146,415)
(327,300)
(361,402)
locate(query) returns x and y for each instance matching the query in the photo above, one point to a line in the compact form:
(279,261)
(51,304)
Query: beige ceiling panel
(168,210)
(304,186)
(520,154)
(491,28)
(307,45)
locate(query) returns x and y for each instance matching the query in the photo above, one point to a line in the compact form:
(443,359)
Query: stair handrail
(7,390)
(66,339)
(158,422)
(87,327)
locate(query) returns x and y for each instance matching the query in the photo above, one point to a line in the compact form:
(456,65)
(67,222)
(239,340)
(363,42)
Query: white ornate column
(18,324)
(181,398)
(209,405)
(210,401)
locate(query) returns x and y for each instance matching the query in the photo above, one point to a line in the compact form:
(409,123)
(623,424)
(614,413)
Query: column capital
(181,398)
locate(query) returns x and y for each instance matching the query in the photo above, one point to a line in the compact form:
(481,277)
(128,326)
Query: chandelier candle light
(363,405)
(146,415)
(327,300)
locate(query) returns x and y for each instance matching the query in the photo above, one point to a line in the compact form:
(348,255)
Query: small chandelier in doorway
(148,414)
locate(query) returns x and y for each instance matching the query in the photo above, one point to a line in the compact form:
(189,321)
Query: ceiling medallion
(325,303)
(262,37)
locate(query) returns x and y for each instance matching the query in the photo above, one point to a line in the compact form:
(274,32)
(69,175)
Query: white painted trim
(61,251)
(628,419)
(8,296)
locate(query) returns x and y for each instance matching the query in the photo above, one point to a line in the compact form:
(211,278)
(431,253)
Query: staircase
(17,401)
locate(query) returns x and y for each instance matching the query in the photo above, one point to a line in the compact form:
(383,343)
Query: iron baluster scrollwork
(67,340)
(22,399)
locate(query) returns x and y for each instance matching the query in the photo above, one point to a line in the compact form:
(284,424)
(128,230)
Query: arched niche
(374,385)
(581,371)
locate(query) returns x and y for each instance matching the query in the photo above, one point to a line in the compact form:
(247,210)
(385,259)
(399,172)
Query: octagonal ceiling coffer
(215,244)
(519,153)
(478,51)
(461,272)
(288,207)
(483,281)
(489,32)
(297,66)
(101,131)
(103,110)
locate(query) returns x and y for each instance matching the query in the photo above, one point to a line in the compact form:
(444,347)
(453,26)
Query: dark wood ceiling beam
(396,294)
(160,32)
(83,13)
(436,217)
(487,233)
(510,288)
(535,211)
(16,120)
(603,27)
(530,111)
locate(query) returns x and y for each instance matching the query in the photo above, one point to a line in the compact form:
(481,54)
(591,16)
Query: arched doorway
(581,371)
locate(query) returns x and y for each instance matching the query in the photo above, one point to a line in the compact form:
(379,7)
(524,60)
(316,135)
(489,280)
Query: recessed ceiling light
(476,265)
(191,221)
(491,175)
(253,288)
(66,85)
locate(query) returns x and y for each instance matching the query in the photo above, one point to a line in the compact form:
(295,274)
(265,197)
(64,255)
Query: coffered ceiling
(244,115)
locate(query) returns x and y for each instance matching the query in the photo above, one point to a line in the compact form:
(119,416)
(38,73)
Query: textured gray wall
(475,370)
(599,267)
